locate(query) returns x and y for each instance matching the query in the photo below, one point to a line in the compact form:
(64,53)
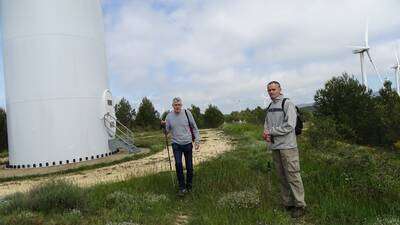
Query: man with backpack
(180,123)
(280,132)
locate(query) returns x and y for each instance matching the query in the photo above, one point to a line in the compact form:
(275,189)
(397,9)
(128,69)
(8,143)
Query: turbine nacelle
(360,50)
(365,49)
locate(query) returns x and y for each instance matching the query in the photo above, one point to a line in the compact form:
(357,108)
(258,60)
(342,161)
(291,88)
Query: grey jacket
(178,125)
(281,128)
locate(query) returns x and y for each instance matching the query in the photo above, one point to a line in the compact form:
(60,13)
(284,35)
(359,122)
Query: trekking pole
(269,171)
(169,158)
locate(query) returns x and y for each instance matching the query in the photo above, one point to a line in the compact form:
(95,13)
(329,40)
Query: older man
(279,132)
(180,123)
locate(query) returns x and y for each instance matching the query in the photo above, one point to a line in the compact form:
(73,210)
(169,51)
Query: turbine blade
(366,35)
(355,46)
(397,58)
(375,69)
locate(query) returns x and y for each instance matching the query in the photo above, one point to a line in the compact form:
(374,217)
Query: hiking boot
(181,192)
(298,212)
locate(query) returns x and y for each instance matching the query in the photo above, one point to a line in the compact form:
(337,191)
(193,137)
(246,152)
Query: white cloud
(222,51)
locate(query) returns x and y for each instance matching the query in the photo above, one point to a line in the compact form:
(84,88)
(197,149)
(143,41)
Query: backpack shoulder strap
(269,106)
(283,106)
(190,125)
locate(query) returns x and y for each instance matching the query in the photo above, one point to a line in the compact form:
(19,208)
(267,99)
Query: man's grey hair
(274,82)
(176,100)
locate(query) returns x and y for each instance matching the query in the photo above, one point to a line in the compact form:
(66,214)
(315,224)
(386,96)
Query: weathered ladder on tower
(123,136)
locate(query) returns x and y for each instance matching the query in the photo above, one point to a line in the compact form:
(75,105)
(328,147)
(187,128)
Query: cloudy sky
(224,52)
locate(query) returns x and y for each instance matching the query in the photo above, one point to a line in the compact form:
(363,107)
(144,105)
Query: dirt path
(213,143)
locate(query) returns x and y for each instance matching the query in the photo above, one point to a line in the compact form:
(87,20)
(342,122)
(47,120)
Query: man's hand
(196,146)
(267,136)
(163,123)
(163,126)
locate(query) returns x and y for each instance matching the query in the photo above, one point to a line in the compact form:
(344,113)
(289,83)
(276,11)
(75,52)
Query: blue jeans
(188,153)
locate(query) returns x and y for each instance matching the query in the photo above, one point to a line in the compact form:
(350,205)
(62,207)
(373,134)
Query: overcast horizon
(224,52)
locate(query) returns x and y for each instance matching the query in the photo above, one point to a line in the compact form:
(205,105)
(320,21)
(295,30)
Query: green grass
(344,184)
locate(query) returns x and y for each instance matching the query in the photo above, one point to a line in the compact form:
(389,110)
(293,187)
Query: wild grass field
(344,184)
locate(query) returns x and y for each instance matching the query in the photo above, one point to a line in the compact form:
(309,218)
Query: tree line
(148,118)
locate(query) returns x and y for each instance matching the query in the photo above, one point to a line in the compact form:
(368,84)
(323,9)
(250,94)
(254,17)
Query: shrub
(388,109)
(213,117)
(54,196)
(351,106)
(360,117)
(322,132)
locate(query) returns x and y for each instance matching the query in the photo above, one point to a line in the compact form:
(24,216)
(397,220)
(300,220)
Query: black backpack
(299,122)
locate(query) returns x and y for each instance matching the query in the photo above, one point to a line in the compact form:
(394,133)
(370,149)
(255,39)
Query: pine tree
(147,117)
(124,112)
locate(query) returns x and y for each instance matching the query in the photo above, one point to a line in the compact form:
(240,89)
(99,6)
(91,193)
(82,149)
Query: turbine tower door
(110,122)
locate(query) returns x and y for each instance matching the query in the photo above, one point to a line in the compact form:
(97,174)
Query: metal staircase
(122,137)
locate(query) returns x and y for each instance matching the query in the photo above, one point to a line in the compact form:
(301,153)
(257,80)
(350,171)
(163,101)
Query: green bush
(197,116)
(322,132)
(213,117)
(351,106)
(54,196)
(388,109)
(360,117)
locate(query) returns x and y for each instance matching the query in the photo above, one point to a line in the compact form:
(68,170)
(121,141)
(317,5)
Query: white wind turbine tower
(396,68)
(361,50)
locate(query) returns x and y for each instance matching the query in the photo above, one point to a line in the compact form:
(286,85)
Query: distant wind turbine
(396,68)
(361,50)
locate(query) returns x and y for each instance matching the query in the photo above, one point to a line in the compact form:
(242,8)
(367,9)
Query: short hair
(274,82)
(176,100)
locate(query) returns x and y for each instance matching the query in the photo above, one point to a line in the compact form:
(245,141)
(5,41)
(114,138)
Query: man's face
(177,107)
(273,90)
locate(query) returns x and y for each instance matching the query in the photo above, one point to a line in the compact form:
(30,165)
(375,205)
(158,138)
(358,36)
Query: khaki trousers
(287,167)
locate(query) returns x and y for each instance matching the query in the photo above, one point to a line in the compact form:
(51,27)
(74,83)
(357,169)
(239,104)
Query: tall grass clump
(22,218)
(52,197)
